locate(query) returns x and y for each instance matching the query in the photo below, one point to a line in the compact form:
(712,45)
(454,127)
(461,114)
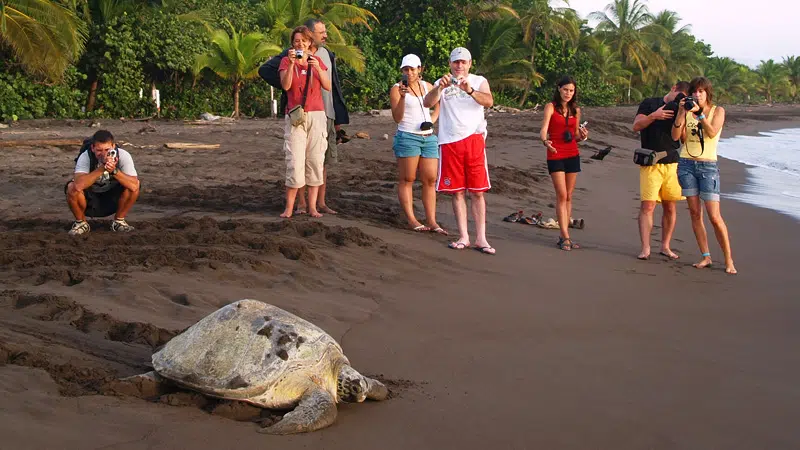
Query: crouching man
(103,184)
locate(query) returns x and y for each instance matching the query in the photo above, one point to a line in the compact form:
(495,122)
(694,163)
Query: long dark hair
(705,84)
(573,102)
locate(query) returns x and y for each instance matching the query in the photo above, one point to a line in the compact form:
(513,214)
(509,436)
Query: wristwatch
(114,172)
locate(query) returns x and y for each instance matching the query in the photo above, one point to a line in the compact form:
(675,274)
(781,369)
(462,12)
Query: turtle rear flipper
(317,410)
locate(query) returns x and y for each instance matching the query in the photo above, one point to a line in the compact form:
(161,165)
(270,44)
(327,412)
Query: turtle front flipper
(317,410)
(376,390)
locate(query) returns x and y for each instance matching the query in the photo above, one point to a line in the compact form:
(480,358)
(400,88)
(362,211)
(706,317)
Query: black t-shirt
(658,136)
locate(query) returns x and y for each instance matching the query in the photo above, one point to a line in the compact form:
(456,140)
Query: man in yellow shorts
(659,182)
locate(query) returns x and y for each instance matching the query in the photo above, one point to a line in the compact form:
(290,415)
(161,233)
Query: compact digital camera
(568,137)
(112,153)
(454,81)
(298,54)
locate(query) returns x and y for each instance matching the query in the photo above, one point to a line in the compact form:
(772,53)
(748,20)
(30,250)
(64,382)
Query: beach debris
(362,135)
(601,154)
(42,143)
(190,146)
(147,129)
(209,117)
(258,353)
(94,124)
(385,137)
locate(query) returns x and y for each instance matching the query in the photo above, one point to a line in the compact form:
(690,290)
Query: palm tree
(281,16)
(499,56)
(605,61)
(539,18)
(623,24)
(676,47)
(43,35)
(236,57)
(728,78)
(792,65)
(773,79)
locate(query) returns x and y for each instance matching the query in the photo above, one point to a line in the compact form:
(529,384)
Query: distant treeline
(102,58)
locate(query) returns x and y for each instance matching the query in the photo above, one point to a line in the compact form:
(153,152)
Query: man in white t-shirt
(102,184)
(462,133)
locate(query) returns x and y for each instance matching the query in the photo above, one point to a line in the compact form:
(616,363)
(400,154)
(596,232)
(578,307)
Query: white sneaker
(121,225)
(79,227)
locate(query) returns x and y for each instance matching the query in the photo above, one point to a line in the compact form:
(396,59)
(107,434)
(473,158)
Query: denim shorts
(699,178)
(407,145)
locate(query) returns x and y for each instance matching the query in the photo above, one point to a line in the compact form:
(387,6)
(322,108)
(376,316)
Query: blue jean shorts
(699,178)
(407,145)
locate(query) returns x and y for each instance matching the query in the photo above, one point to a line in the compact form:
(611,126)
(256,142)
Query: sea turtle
(260,354)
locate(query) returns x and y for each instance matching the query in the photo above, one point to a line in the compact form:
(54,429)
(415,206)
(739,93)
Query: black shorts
(567,165)
(101,204)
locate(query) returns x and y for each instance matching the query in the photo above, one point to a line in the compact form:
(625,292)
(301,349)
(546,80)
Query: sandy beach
(531,348)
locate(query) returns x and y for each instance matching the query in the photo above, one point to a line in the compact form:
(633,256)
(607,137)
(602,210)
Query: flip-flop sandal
(455,245)
(441,231)
(421,228)
(513,217)
(564,244)
(486,250)
(528,220)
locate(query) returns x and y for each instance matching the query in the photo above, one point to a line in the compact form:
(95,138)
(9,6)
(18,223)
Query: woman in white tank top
(415,144)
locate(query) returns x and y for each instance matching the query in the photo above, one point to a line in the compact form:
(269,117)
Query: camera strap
(308,81)
(421,88)
(700,137)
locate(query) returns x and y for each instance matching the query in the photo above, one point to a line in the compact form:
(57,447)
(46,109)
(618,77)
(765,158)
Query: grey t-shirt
(125,165)
(327,97)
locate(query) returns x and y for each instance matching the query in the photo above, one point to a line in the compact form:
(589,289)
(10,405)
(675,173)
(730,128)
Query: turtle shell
(252,351)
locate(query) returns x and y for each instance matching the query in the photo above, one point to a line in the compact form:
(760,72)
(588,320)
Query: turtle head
(351,386)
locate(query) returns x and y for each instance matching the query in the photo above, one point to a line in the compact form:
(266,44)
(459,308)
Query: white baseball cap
(460,54)
(411,60)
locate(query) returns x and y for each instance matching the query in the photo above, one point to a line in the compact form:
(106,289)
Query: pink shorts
(463,166)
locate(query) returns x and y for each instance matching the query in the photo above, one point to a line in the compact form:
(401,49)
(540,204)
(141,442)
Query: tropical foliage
(73,58)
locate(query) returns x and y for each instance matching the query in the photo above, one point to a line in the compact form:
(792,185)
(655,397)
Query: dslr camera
(689,103)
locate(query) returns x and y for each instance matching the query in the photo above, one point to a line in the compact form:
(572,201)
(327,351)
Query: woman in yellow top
(698,124)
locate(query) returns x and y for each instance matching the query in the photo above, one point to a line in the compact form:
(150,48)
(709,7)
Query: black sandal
(564,244)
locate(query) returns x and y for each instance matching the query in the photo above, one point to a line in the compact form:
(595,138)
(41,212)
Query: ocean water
(774,180)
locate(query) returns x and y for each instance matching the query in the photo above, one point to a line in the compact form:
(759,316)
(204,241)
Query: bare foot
(314,213)
(729,269)
(669,253)
(301,210)
(705,262)
(326,209)
(286,214)
(644,255)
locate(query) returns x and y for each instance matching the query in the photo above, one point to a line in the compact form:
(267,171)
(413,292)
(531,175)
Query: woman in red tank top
(560,134)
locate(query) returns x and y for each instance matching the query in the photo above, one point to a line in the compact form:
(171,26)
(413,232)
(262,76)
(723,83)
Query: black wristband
(472,91)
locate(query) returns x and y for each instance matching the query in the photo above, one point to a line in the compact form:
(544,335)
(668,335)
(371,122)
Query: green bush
(24,98)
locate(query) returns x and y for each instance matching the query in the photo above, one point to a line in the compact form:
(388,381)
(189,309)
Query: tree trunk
(533,69)
(92,95)
(236,100)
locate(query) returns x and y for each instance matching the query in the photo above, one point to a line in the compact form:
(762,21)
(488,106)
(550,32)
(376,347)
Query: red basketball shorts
(462,165)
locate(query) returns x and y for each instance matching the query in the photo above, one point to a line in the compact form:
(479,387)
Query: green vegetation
(93,58)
